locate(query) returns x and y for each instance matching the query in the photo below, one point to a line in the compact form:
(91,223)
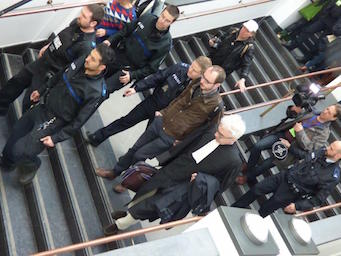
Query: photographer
(306,185)
(308,135)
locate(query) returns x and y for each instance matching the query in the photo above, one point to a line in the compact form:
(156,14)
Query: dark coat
(232,54)
(314,178)
(144,46)
(168,84)
(176,202)
(224,163)
(77,107)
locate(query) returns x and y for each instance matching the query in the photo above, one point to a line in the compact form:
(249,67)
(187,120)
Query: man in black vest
(140,47)
(65,103)
(72,42)
(306,185)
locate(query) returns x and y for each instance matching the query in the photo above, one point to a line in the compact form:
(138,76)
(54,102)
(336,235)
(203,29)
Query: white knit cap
(251,25)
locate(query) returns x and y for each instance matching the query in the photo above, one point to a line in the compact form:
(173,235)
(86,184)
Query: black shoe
(300,59)
(29,171)
(289,45)
(118,214)
(92,139)
(111,230)
(6,166)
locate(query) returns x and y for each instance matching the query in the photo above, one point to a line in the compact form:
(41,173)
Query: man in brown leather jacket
(191,109)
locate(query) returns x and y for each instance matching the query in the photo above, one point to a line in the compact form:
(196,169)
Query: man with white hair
(234,50)
(215,153)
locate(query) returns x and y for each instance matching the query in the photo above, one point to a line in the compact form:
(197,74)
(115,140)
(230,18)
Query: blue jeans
(253,170)
(152,142)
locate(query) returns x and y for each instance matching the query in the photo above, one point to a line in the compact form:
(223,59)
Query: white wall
(286,11)
(33,28)
(37,27)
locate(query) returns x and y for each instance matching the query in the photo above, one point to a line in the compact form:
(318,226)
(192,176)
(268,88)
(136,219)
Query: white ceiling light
(255,228)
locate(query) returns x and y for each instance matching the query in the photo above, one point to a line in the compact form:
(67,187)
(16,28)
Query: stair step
(15,214)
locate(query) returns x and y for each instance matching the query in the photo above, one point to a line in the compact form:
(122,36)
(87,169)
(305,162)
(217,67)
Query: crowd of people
(74,75)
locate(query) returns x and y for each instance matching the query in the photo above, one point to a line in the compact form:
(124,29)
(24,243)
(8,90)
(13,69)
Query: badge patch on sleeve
(57,43)
(336,173)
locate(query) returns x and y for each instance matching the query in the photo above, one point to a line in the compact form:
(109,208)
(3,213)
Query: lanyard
(311,122)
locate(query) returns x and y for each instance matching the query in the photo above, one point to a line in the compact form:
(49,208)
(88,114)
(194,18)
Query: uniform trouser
(13,88)
(306,33)
(24,143)
(144,110)
(265,143)
(282,196)
(152,142)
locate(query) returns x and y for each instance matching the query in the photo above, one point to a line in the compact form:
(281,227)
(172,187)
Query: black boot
(28,172)
(5,166)
(93,139)
(111,230)
(118,214)
(291,45)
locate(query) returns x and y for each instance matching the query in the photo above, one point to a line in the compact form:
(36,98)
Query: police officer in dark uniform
(67,102)
(168,84)
(140,47)
(326,22)
(74,41)
(235,50)
(306,185)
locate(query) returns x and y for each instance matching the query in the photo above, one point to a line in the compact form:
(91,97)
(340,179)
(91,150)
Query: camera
(306,96)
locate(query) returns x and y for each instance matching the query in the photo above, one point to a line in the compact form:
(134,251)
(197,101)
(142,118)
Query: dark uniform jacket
(176,202)
(224,163)
(331,16)
(186,113)
(70,44)
(232,54)
(168,84)
(143,45)
(73,97)
(314,178)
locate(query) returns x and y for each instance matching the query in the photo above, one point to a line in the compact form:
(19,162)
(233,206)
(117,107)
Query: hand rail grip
(268,103)
(113,238)
(50,8)
(284,80)
(14,6)
(324,208)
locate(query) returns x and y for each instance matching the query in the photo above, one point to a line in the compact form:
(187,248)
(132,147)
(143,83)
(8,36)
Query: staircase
(67,203)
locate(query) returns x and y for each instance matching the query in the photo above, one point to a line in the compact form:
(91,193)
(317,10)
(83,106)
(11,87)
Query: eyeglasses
(205,79)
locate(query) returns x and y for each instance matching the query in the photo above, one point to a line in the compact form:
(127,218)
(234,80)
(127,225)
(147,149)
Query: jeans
(276,184)
(152,142)
(265,143)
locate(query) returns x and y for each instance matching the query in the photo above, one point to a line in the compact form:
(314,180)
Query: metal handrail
(125,235)
(324,208)
(269,103)
(49,8)
(284,80)
(68,6)
(224,9)
(14,6)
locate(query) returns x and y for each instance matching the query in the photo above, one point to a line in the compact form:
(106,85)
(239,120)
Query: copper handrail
(264,104)
(284,80)
(49,8)
(68,6)
(324,208)
(224,9)
(109,239)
